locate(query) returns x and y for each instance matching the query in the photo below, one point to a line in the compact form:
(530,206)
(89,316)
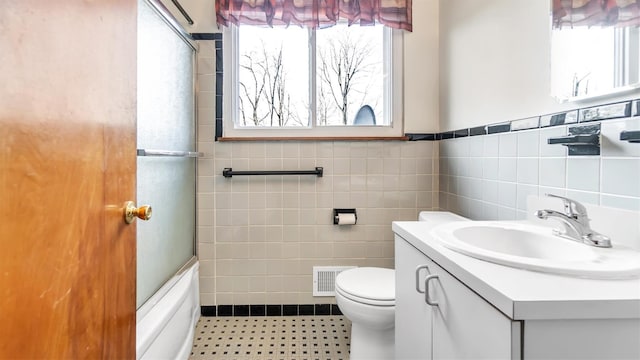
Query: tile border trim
(219,87)
(609,111)
(270,310)
(422,137)
(206,36)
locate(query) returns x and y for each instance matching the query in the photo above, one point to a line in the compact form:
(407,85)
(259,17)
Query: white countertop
(522,294)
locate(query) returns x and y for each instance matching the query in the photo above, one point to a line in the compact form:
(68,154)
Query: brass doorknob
(131,212)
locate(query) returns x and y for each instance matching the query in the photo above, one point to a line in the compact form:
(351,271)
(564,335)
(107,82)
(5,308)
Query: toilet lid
(375,284)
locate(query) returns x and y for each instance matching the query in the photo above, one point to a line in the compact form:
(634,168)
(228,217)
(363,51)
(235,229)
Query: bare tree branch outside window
(347,64)
(274,75)
(341,63)
(266,97)
(252,91)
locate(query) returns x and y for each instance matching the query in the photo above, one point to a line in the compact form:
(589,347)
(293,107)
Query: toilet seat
(371,286)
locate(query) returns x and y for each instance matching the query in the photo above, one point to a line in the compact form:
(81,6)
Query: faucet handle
(571,207)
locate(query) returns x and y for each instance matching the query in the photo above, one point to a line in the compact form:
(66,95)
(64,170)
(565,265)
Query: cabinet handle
(420,267)
(426,290)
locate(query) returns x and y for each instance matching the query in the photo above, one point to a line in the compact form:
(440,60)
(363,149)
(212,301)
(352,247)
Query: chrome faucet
(576,223)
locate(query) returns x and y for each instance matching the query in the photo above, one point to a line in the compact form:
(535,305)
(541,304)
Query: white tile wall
(583,173)
(260,236)
(519,164)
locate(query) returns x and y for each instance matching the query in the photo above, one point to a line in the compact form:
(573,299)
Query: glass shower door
(166,151)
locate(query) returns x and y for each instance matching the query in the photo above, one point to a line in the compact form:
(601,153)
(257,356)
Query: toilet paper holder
(337,212)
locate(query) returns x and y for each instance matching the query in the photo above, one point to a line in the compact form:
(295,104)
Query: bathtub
(166,322)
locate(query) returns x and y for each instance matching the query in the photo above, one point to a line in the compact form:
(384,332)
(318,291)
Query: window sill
(317,138)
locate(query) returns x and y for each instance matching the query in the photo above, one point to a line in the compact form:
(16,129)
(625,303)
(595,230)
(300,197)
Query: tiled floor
(272,337)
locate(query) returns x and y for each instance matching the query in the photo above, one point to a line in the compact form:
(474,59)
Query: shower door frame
(165,15)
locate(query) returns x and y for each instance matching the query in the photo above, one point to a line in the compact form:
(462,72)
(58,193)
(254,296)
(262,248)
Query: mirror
(587,62)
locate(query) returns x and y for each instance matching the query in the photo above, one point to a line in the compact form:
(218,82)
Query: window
(594,61)
(293,82)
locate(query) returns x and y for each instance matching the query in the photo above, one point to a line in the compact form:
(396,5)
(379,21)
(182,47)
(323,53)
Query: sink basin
(531,247)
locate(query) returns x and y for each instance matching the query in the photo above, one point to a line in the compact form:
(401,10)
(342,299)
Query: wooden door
(67,164)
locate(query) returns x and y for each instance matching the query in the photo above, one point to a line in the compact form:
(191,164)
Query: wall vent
(324,279)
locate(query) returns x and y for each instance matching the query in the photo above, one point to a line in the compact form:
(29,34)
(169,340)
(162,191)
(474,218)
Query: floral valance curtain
(314,13)
(572,13)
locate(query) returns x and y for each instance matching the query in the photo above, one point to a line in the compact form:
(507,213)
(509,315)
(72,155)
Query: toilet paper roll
(346,219)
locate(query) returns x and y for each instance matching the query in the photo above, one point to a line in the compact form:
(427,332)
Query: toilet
(366,296)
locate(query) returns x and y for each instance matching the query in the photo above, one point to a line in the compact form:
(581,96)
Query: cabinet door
(413,315)
(465,326)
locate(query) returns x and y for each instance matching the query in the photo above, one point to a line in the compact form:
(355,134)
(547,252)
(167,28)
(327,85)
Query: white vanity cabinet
(458,324)
(481,310)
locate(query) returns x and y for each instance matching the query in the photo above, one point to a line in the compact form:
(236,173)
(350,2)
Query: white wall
(203,13)
(495,67)
(421,86)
